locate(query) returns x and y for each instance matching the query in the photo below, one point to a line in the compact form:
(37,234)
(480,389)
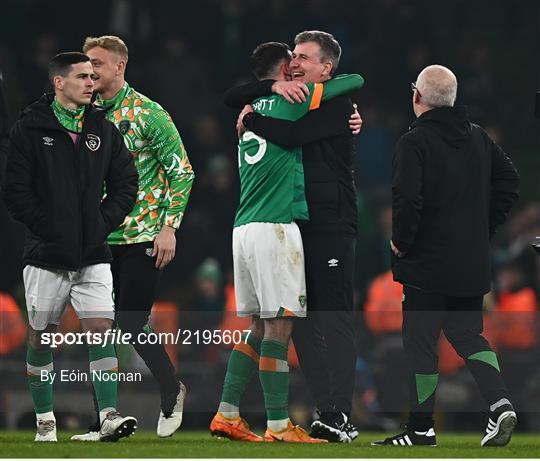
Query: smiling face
(76,88)
(306,64)
(108,69)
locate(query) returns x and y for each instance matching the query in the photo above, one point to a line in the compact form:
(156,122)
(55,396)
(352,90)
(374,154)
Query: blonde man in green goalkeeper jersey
(268,257)
(145,242)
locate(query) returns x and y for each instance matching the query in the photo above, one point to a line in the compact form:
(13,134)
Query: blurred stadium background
(184,54)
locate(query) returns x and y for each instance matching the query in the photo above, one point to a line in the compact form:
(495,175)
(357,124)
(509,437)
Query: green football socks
(103,367)
(274,376)
(243,363)
(39,366)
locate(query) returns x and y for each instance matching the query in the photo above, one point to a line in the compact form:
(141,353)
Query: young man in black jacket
(62,152)
(452,187)
(325,339)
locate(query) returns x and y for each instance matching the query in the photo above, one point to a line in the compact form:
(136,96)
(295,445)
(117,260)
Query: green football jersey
(165,174)
(271,177)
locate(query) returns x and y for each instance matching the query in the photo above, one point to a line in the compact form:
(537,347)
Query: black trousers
(425,315)
(135,281)
(324,340)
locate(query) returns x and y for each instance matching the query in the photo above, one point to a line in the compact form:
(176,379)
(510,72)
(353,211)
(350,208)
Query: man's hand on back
(240,128)
(355,122)
(293,91)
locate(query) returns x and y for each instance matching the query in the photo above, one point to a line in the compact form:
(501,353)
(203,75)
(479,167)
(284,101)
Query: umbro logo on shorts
(333,262)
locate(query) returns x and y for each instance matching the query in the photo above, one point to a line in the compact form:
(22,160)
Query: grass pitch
(19,444)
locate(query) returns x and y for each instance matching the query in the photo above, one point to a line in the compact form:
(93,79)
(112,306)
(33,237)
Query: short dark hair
(267,57)
(62,62)
(330,49)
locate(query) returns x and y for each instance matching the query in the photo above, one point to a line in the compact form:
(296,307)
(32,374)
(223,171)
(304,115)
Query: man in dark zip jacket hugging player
(62,152)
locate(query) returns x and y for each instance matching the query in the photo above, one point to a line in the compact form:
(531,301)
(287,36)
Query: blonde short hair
(109,42)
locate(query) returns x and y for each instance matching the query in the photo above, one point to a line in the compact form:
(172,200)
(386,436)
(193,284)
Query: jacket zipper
(77,160)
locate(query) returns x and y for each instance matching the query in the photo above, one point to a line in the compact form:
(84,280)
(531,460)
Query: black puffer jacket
(56,189)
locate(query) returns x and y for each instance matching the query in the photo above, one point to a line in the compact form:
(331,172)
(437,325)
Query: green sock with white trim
(242,365)
(103,371)
(274,376)
(39,366)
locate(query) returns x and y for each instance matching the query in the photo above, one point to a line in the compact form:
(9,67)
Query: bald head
(437,86)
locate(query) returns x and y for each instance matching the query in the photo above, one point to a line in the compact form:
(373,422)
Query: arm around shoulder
(331,119)
(237,97)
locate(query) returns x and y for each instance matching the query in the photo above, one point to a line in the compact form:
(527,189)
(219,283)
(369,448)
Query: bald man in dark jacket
(452,187)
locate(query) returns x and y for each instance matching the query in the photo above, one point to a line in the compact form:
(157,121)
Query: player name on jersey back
(271,177)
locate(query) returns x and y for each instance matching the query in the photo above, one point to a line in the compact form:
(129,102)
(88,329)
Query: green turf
(202,445)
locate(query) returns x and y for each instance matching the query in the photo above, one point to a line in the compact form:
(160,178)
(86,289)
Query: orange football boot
(292,434)
(233,429)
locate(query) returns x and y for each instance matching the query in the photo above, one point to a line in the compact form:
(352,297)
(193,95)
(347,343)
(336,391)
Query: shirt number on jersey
(261,150)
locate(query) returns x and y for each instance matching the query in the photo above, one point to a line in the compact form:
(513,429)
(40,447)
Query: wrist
(168,229)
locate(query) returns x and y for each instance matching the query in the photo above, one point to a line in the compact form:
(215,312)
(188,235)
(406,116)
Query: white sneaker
(46,431)
(168,425)
(115,427)
(90,436)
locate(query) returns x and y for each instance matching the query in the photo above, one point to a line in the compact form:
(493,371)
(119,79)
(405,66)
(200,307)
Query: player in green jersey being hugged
(145,242)
(268,257)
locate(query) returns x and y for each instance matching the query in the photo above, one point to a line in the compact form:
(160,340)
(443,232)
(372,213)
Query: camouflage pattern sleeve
(166,146)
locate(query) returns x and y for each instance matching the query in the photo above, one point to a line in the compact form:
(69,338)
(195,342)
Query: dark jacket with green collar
(56,188)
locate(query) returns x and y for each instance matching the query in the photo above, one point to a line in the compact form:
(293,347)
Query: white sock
(228,410)
(498,404)
(103,413)
(48,416)
(277,425)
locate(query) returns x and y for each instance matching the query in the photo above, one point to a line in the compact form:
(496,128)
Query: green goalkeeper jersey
(271,177)
(165,174)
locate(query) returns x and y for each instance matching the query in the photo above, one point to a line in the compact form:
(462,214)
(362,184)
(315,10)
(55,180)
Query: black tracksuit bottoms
(324,340)
(425,315)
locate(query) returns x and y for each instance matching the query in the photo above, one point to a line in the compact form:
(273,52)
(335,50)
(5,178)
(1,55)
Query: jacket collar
(116,101)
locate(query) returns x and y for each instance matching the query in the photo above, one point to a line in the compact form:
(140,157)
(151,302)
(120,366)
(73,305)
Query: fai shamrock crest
(302,300)
(123,127)
(93,142)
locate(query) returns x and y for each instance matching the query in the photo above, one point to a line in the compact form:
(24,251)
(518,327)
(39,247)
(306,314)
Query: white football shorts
(48,291)
(269,275)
